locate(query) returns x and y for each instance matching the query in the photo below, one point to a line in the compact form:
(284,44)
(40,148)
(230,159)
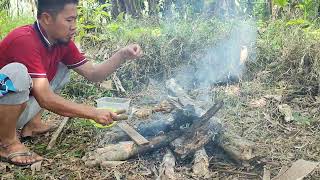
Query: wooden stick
(237,147)
(57,133)
(125,150)
(200,166)
(133,134)
(167,167)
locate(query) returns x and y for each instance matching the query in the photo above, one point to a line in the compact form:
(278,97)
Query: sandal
(18,154)
(11,156)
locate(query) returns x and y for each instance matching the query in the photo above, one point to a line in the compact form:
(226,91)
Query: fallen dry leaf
(143,113)
(276,97)
(164,106)
(107,85)
(286,111)
(258,103)
(36,167)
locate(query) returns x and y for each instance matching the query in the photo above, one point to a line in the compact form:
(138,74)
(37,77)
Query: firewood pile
(178,124)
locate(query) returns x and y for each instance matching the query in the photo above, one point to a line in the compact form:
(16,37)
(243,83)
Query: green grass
(9,23)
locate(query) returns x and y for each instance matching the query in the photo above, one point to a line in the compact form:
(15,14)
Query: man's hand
(104,117)
(99,72)
(132,51)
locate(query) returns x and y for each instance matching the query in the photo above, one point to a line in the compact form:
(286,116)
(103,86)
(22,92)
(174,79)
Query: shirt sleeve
(24,50)
(73,58)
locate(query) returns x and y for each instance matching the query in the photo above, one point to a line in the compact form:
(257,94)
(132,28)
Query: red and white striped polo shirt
(28,45)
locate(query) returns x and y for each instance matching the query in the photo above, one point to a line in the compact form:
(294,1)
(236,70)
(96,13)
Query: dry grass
(277,142)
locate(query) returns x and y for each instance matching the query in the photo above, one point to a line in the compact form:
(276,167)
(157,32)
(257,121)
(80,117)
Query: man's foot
(17,154)
(34,129)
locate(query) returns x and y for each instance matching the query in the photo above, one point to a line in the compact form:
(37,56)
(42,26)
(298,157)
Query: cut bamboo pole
(57,133)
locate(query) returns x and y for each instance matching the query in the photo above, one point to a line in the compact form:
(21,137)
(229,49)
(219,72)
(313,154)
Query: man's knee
(61,78)
(21,80)
(18,74)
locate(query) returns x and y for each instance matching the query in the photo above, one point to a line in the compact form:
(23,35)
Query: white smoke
(223,61)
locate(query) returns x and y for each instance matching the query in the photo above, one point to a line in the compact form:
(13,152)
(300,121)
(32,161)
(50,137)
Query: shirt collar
(42,34)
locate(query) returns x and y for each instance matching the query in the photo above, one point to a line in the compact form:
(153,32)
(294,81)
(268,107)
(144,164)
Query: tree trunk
(167,8)
(102,1)
(198,6)
(130,8)
(250,7)
(221,8)
(115,9)
(180,7)
(138,8)
(152,7)
(122,6)
(268,8)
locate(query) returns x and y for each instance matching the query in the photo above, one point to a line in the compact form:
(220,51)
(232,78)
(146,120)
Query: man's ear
(47,18)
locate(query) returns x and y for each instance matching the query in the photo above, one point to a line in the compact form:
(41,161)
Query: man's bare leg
(9,143)
(35,126)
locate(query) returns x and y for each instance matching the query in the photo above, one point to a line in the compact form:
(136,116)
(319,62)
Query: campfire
(178,124)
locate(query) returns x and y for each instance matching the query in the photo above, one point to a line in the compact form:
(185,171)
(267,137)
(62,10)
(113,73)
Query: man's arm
(47,99)
(99,72)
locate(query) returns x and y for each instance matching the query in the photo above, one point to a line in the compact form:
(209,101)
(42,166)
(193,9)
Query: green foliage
(166,45)
(93,17)
(302,119)
(8,23)
(281,3)
(309,8)
(259,10)
(289,53)
(4,4)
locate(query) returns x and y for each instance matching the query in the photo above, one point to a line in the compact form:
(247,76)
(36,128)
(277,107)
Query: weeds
(288,55)
(8,23)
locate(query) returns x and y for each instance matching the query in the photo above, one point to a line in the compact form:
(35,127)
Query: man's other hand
(133,51)
(104,117)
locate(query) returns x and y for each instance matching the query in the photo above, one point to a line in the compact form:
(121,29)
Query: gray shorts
(22,81)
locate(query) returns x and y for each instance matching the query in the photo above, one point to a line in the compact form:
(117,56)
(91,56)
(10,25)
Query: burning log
(199,134)
(168,131)
(167,167)
(237,147)
(201,164)
(158,123)
(125,150)
(204,130)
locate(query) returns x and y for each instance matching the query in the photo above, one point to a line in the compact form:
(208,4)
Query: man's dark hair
(53,7)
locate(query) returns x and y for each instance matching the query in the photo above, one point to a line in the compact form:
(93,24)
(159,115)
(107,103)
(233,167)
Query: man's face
(63,27)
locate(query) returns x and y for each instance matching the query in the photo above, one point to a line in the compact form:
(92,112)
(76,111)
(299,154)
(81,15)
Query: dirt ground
(251,110)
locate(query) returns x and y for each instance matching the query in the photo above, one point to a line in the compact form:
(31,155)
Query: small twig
(57,133)
(268,118)
(118,83)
